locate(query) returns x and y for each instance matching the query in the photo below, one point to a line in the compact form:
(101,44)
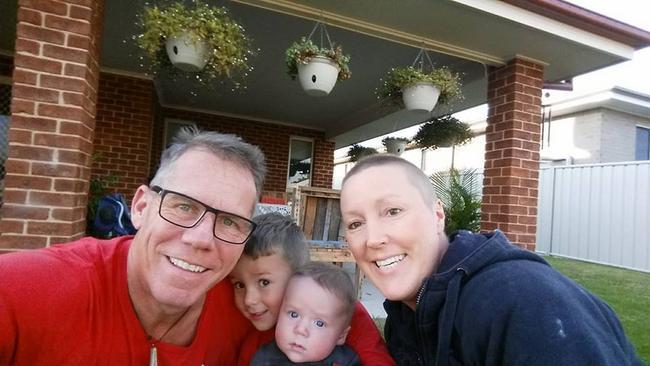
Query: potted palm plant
(460,193)
(419,90)
(317,68)
(357,152)
(395,145)
(201,39)
(443,131)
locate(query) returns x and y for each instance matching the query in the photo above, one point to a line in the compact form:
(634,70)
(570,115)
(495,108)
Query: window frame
(291,186)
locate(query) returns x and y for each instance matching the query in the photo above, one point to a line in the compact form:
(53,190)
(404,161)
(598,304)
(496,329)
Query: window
(171,128)
(642,151)
(300,162)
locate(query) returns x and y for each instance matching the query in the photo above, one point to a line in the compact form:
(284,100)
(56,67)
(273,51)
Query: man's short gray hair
(225,146)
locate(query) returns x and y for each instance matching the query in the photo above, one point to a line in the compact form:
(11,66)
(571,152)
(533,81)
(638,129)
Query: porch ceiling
(466,35)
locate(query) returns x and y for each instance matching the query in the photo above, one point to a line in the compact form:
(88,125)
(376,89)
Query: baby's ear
(343,336)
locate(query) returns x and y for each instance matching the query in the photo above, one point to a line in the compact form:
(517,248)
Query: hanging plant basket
(317,68)
(318,76)
(421,96)
(200,39)
(357,152)
(186,54)
(421,86)
(443,131)
(395,145)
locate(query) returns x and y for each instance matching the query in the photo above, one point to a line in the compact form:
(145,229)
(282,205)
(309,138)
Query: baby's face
(259,288)
(311,322)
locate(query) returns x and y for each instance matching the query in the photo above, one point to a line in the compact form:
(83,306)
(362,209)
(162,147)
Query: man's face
(396,237)
(311,322)
(174,266)
(259,288)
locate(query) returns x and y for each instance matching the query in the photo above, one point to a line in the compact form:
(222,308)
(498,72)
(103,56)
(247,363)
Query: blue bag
(113,217)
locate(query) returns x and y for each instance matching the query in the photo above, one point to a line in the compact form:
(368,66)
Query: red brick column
(512,151)
(53,108)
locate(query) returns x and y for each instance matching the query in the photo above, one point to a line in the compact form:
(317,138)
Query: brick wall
(510,186)
(272,139)
(53,110)
(125,114)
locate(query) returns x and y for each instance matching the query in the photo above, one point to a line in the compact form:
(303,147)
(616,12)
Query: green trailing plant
(398,78)
(357,152)
(460,195)
(443,131)
(304,50)
(228,43)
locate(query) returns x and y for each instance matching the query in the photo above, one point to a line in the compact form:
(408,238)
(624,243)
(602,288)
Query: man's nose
(201,235)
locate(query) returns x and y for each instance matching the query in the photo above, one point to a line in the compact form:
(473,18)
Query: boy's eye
(292,314)
(264,283)
(238,285)
(319,323)
(394,211)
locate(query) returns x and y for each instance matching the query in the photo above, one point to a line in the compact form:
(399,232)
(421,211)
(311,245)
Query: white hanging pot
(187,55)
(395,147)
(421,96)
(318,76)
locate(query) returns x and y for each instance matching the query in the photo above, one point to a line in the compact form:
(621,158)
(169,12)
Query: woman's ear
(439,212)
(139,204)
(343,336)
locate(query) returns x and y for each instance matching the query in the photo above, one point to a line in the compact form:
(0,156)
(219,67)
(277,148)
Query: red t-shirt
(69,305)
(363,338)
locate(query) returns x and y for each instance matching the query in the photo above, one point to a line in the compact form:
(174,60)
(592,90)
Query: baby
(314,320)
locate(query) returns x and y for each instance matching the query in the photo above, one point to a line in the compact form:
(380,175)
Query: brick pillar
(512,147)
(53,109)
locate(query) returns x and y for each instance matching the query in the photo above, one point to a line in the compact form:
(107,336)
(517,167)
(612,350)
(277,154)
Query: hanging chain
(420,58)
(323,31)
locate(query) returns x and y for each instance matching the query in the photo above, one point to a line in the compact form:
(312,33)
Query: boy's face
(259,288)
(311,322)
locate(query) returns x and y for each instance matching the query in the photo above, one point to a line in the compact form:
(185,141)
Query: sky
(634,74)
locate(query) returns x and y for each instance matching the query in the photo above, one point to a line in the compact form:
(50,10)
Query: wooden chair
(319,215)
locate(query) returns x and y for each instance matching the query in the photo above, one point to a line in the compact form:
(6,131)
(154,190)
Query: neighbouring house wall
(575,137)
(272,139)
(619,135)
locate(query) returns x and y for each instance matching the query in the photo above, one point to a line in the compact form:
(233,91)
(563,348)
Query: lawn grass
(627,292)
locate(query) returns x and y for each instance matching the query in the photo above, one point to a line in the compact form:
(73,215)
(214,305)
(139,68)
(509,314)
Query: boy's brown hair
(278,234)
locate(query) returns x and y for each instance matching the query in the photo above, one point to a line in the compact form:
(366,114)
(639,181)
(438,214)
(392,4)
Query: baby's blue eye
(319,323)
(293,314)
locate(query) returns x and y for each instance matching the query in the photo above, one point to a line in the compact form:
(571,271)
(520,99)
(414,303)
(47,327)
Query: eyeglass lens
(186,212)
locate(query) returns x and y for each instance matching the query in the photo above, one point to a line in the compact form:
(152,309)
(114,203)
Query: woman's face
(396,236)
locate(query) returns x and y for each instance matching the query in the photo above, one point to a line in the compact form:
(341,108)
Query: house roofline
(586,20)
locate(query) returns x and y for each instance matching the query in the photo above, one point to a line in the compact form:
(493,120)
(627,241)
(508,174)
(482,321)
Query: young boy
(275,250)
(315,319)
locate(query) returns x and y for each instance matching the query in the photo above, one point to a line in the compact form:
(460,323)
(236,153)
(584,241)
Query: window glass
(642,143)
(300,162)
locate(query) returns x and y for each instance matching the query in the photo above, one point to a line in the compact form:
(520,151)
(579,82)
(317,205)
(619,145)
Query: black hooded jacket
(492,303)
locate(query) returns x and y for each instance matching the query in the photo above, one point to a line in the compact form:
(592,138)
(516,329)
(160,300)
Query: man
(472,299)
(156,298)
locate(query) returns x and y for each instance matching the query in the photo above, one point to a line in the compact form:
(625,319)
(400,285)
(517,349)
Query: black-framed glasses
(185,211)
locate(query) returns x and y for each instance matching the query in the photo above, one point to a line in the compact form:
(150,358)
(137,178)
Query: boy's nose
(252,297)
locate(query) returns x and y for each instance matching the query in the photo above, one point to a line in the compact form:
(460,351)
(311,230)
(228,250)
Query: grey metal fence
(597,212)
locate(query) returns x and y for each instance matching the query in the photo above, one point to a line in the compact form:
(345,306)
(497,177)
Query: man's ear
(343,336)
(140,201)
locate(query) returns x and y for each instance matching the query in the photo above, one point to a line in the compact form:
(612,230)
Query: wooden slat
(334,225)
(309,216)
(319,222)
